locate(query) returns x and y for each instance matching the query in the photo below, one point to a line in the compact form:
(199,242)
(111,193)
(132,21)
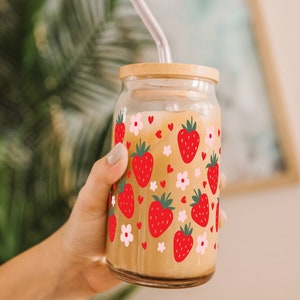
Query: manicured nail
(115,154)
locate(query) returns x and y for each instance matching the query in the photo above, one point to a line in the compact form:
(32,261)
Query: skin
(70,264)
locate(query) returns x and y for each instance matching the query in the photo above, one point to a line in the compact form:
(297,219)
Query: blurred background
(59,64)
(59,80)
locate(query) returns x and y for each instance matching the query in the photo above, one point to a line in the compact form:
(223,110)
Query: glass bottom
(158,282)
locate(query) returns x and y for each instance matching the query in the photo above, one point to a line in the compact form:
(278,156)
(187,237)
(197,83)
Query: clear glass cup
(163,218)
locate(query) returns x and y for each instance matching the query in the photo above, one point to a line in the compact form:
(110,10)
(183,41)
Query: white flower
(124,114)
(182,180)
(153,186)
(113,200)
(167,150)
(182,216)
(202,243)
(161,247)
(136,123)
(197,172)
(126,235)
(210,136)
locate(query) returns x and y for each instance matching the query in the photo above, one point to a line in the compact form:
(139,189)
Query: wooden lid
(169,70)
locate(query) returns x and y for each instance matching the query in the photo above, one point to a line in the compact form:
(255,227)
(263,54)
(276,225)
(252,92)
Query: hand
(222,214)
(70,263)
(84,233)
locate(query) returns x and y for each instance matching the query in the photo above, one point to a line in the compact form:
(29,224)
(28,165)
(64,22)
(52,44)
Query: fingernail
(115,154)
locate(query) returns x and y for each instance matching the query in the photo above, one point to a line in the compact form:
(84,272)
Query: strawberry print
(200,208)
(142,164)
(217,215)
(160,215)
(213,173)
(119,129)
(112,224)
(188,141)
(126,199)
(182,243)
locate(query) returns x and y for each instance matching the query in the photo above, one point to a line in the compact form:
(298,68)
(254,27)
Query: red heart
(212,205)
(170,126)
(183,199)
(140,199)
(158,134)
(128,144)
(163,183)
(219,132)
(170,169)
(204,184)
(203,155)
(150,119)
(215,246)
(139,225)
(211,228)
(144,245)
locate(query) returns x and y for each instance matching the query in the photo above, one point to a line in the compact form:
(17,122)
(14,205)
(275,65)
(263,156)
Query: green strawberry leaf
(187,230)
(196,197)
(213,160)
(164,201)
(190,125)
(122,184)
(140,149)
(120,118)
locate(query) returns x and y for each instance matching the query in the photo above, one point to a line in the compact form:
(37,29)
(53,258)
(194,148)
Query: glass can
(163,214)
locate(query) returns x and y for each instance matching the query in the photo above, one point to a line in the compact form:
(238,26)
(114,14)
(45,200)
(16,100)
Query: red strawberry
(119,129)
(213,173)
(200,210)
(217,215)
(160,215)
(126,199)
(188,141)
(142,164)
(183,243)
(112,224)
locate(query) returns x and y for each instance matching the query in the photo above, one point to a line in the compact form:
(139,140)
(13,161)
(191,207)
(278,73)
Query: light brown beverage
(164,212)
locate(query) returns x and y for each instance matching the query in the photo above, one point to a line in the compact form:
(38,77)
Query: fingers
(223,181)
(222,214)
(222,218)
(105,172)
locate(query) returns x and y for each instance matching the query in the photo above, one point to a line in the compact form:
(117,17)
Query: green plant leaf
(59,62)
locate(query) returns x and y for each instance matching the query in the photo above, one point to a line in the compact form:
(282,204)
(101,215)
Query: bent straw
(164,53)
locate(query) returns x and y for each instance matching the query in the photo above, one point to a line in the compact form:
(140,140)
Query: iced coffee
(163,218)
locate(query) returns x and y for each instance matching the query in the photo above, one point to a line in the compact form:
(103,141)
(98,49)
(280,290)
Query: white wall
(259,256)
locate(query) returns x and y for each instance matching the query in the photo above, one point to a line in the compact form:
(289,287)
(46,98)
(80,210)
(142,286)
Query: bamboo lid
(176,70)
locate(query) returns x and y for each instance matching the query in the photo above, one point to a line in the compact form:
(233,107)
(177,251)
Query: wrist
(68,268)
(61,266)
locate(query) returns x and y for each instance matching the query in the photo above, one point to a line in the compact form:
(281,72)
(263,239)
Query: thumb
(92,198)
